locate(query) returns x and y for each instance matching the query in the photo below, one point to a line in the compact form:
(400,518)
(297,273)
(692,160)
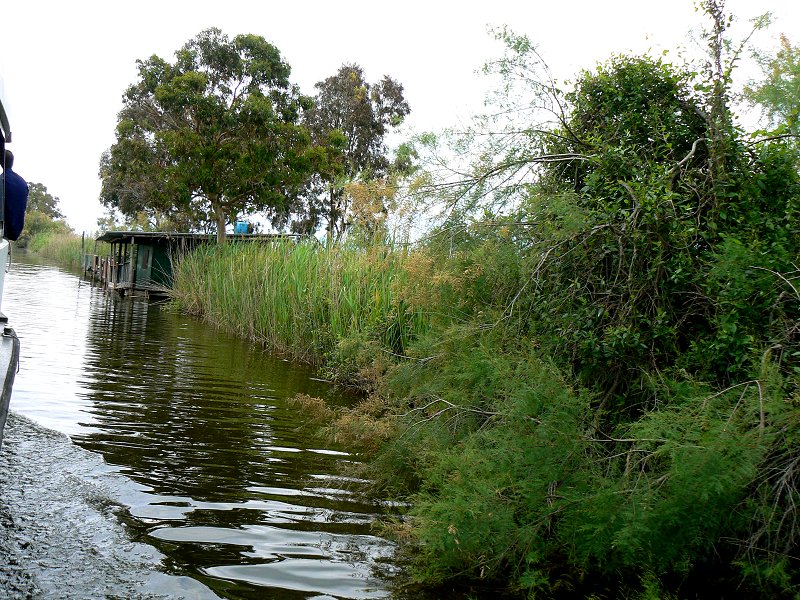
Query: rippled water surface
(188,432)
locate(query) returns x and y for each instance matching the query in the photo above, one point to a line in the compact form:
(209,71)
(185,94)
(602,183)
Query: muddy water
(152,456)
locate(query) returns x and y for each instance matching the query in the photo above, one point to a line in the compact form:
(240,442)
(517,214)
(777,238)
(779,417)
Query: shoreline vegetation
(302,299)
(584,381)
(63,247)
(473,416)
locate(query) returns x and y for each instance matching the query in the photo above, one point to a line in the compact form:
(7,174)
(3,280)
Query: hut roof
(157,236)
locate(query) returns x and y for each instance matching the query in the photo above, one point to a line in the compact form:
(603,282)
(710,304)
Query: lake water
(152,456)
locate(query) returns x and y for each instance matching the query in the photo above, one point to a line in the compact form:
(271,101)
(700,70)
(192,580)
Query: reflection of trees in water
(190,411)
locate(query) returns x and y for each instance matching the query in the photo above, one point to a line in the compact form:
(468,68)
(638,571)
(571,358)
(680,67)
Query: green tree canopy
(346,104)
(779,92)
(210,136)
(39,199)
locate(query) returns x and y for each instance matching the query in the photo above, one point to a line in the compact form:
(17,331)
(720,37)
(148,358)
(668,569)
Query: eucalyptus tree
(209,136)
(363,113)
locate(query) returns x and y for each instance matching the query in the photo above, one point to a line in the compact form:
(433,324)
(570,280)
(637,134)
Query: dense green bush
(608,401)
(39,223)
(529,477)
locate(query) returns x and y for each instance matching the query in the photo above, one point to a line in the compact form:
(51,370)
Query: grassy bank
(61,247)
(301,299)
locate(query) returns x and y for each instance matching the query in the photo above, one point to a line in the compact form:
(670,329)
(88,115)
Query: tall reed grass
(61,247)
(301,298)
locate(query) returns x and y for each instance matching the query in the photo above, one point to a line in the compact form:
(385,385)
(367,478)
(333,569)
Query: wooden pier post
(131,266)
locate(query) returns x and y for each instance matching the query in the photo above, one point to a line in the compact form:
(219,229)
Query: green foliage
(489,501)
(38,224)
(304,299)
(210,136)
(650,262)
(353,116)
(652,280)
(42,215)
(635,118)
(778,93)
(641,179)
(57,244)
(39,199)
(672,499)
(521,480)
(517,480)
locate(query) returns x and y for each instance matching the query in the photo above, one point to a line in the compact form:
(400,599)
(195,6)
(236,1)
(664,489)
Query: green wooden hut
(141,262)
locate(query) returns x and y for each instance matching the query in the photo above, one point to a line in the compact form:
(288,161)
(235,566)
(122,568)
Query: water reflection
(225,484)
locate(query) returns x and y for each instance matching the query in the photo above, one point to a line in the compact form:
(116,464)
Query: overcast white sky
(66,64)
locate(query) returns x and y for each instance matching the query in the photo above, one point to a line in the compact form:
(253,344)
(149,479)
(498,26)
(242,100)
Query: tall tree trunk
(219,215)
